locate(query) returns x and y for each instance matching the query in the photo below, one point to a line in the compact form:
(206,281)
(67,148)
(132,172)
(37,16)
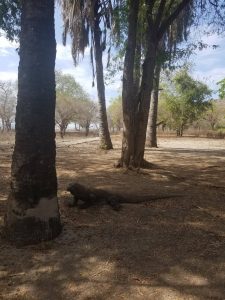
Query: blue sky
(208,64)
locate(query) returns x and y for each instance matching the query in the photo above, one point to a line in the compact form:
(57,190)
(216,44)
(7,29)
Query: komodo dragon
(92,196)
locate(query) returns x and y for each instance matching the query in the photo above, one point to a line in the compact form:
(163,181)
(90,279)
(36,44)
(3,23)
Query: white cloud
(211,77)
(5,43)
(7,48)
(82,74)
(8,75)
(213,39)
(63,52)
(4,51)
(209,63)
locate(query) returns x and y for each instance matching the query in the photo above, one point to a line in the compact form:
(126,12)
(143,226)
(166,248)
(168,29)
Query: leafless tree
(8,92)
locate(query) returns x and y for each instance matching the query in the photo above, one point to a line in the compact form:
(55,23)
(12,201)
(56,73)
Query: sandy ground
(165,249)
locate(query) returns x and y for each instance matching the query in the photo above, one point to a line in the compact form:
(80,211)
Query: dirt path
(166,249)
(71,142)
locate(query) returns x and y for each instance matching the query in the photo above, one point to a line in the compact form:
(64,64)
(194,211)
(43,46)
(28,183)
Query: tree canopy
(221,91)
(10,11)
(185,99)
(69,95)
(115,113)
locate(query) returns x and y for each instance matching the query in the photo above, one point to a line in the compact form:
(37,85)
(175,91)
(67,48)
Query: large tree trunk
(144,98)
(152,126)
(32,212)
(128,92)
(137,67)
(136,107)
(105,140)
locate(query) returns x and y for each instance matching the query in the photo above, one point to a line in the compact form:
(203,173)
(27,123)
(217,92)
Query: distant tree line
(73,105)
(183,103)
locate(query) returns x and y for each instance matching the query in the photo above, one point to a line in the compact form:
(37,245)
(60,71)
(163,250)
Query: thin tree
(153,112)
(32,213)
(186,100)
(87,23)
(168,53)
(7,104)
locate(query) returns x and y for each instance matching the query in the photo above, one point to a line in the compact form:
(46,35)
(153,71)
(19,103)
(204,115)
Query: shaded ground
(166,249)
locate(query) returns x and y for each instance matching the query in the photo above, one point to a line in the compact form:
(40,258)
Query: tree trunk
(137,67)
(8,125)
(62,127)
(213,126)
(128,97)
(87,126)
(144,101)
(178,131)
(136,107)
(105,140)
(3,124)
(32,213)
(136,112)
(181,130)
(154,109)
(61,132)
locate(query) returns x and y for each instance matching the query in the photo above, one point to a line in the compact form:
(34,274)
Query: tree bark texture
(32,213)
(105,140)
(87,128)
(136,106)
(128,93)
(152,126)
(144,98)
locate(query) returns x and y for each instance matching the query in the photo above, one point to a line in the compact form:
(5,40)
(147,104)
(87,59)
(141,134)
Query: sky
(208,65)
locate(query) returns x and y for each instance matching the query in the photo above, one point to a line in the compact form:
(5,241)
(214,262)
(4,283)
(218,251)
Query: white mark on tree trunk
(46,208)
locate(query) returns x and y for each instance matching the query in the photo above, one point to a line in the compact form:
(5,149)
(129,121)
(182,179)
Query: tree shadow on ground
(138,253)
(166,249)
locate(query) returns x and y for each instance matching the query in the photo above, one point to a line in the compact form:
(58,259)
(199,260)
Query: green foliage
(87,113)
(69,95)
(158,15)
(67,85)
(120,20)
(10,11)
(115,113)
(214,116)
(221,85)
(173,51)
(184,100)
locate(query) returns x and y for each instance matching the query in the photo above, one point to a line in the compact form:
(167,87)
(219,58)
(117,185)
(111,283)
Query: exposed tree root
(144,165)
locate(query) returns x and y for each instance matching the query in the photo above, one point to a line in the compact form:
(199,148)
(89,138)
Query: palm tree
(32,212)
(87,23)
